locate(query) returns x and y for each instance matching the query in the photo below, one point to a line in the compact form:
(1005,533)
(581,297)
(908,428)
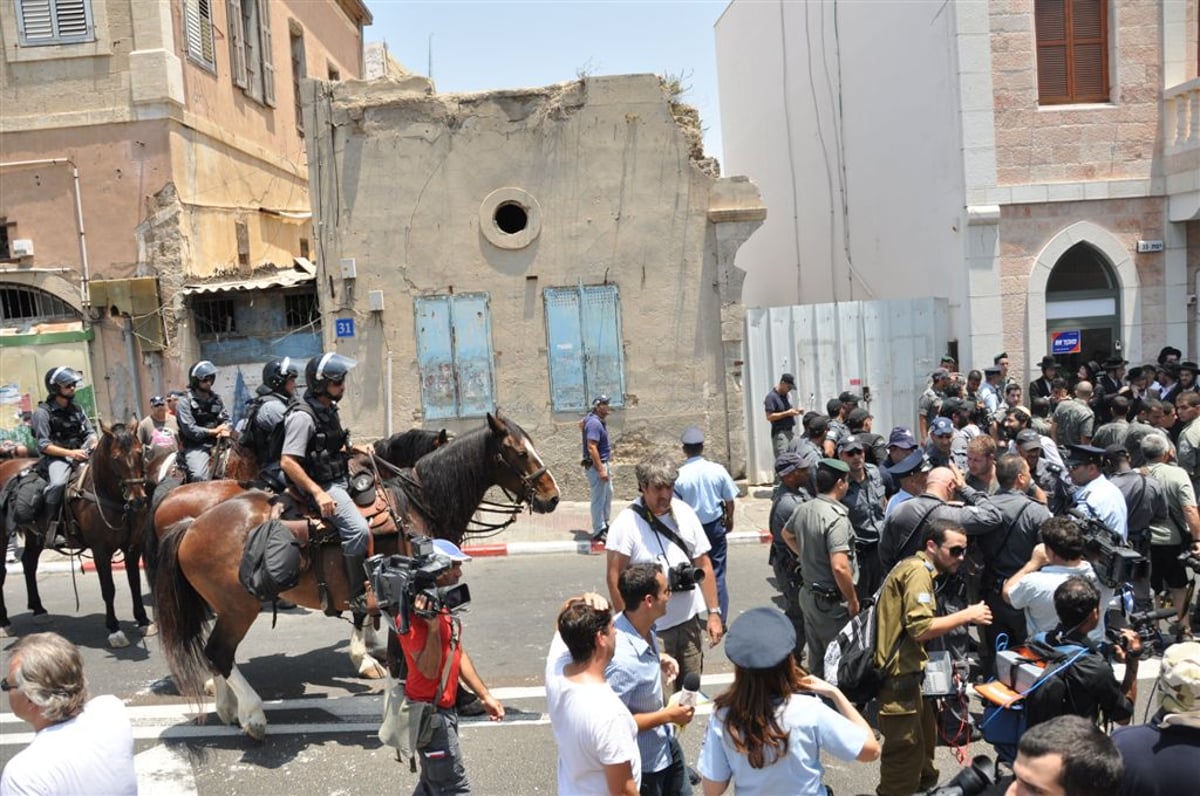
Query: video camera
(971,781)
(1145,624)
(398,581)
(1113,562)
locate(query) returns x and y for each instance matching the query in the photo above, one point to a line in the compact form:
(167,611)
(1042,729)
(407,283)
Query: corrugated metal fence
(886,348)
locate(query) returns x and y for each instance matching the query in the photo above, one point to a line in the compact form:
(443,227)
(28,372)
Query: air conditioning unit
(21,247)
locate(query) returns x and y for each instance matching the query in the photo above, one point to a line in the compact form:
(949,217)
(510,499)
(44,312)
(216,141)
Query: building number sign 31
(344,327)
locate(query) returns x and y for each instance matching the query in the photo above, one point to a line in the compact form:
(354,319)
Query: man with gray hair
(80,746)
(1178,532)
(660,528)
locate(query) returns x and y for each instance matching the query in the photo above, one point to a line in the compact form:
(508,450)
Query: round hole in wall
(511,218)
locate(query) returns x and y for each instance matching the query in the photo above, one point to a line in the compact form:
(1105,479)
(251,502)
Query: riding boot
(357,578)
(54,538)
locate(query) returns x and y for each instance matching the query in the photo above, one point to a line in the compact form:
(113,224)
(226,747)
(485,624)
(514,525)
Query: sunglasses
(6,686)
(957,550)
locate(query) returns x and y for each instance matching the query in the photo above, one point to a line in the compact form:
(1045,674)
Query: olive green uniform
(822,528)
(906,609)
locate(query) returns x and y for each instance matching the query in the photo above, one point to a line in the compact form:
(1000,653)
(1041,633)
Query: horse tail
(181,614)
(150,542)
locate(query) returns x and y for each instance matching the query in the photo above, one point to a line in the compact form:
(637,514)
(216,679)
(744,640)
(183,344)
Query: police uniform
(1098,498)
(784,564)
(822,528)
(1145,505)
(865,500)
(906,609)
(199,412)
(67,427)
(902,529)
(1003,552)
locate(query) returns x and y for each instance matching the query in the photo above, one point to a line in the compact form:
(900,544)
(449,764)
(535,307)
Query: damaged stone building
(528,250)
(154,201)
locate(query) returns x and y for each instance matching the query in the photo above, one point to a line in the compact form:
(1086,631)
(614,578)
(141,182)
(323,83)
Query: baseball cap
(848,397)
(939,373)
(1029,439)
(1179,680)
(902,437)
(818,425)
(158,400)
(858,416)
(788,462)
(450,550)
(941,427)
(788,378)
(601,399)
(850,443)
(692,435)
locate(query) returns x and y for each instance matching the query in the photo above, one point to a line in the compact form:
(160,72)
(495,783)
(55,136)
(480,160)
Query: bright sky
(480,45)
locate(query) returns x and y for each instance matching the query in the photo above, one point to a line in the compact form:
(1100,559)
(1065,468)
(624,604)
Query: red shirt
(418,687)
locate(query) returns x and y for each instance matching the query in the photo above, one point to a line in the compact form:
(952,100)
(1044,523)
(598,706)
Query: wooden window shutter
(268,65)
(237,43)
(1072,50)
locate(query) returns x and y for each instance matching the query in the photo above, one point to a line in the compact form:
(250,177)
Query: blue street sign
(1065,342)
(344,327)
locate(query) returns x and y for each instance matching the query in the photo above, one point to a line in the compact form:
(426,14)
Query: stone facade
(611,194)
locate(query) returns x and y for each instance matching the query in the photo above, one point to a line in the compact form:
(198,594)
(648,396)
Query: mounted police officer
(263,432)
(315,459)
(202,420)
(65,437)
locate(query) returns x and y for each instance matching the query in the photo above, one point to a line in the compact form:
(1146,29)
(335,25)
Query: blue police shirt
(1100,498)
(704,485)
(635,674)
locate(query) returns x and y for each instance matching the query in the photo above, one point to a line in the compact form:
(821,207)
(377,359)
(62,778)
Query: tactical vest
(266,443)
(68,424)
(207,412)
(324,460)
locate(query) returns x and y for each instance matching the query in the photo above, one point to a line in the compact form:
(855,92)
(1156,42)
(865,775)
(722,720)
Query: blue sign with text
(344,327)
(1064,342)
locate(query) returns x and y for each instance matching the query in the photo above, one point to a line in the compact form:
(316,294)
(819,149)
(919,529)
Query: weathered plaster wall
(398,181)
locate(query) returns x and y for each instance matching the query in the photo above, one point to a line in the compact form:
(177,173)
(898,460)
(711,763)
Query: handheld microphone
(689,696)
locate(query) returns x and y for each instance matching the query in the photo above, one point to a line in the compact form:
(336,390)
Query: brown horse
(199,559)
(107,509)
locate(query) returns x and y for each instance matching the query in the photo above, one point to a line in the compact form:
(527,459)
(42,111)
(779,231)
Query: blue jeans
(195,462)
(349,521)
(715,531)
(602,494)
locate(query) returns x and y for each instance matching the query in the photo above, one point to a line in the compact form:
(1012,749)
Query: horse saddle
(296,511)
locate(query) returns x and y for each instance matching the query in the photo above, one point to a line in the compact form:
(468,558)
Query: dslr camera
(683,576)
(1113,562)
(398,581)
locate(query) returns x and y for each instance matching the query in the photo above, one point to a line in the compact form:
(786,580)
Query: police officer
(1005,550)
(865,497)
(263,432)
(819,532)
(1095,495)
(794,473)
(1145,505)
(64,437)
(908,473)
(202,420)
(315,459)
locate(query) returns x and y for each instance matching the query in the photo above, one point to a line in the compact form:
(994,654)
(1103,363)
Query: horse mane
(455,477)
(405,448)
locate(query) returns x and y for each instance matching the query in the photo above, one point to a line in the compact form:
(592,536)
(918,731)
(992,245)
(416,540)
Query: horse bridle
(528,480)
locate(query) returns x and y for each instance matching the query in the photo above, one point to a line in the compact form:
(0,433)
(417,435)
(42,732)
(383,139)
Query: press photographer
(422,588)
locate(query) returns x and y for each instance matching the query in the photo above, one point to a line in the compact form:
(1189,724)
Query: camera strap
(659,527)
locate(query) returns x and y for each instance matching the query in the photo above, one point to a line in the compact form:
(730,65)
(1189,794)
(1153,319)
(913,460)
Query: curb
(478,551)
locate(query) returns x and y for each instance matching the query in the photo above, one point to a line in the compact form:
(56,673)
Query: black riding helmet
(61,377)
(329,367)
(277,372)
(201,370)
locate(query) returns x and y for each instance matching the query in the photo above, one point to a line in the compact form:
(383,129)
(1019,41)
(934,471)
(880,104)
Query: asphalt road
(321,736)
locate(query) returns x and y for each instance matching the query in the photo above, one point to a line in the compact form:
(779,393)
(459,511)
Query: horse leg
(133,572)
(250,712)
(360,653)
(29,564)
(108,590)
(224,700)
(229,629)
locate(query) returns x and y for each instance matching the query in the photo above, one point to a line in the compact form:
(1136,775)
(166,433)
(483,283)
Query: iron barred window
(31,304)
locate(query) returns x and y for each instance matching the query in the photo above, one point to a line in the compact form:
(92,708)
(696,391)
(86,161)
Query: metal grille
(31,304)
(214,316)
(301,310)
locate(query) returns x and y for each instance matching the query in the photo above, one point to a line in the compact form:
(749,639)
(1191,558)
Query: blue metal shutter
(472,339)
(601,319)
(563,334)
(583,329)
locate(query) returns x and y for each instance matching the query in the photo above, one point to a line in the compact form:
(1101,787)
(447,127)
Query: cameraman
(432,643)
(661,529)
(1162,757)
(1086,685)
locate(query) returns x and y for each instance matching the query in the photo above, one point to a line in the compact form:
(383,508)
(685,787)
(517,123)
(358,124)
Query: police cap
(761,638)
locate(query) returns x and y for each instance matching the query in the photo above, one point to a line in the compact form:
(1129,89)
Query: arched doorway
(1083,310)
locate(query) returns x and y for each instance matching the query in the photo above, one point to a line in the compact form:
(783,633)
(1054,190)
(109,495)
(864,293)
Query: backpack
(270,561)
(850,659)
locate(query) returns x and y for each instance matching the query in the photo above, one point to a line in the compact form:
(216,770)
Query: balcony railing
(1181,120)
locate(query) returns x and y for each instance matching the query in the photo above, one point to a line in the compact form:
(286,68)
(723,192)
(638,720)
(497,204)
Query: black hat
(788,462)
(1112,363)
(1029,439)
(858,416)
(1168,351)
(1084,454)
(601,399)
(848,397)
(819,424)
(1192,366)
(761,638)
(1116,451)
(915,462)
(788,378)
(850,442)
(1048,362)
(158,400)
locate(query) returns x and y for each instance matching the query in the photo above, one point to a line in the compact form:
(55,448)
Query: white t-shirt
(630,535)
(89,754)
(1034,594)
(592,728)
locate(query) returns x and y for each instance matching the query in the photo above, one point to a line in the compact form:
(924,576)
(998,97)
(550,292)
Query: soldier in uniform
(315,459)
(64,437)
(1005,550)
(820,534)
(1145,505)
(1073,420)
(1115,430)
(907,618)
(794,472)
(202,420)
(864,498)
(930,403)
(264,422)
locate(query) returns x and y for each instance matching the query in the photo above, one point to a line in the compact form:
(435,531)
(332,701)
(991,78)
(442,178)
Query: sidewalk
(566,530)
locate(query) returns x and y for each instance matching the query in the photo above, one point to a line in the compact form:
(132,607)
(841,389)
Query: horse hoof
(371,669)
(256,726)
(42,618)
(210,687)
(149,630)
(118,640)
(5,631)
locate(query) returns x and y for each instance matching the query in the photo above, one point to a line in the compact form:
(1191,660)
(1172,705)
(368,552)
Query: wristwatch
(716,611)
